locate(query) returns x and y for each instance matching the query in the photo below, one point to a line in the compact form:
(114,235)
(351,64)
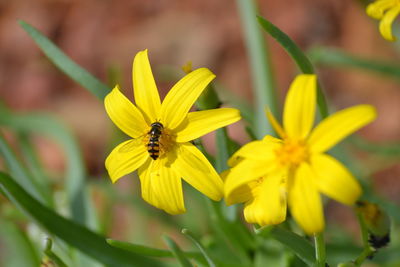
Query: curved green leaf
(92,244)
(22,174)
(200,247)
(337,58)
(148,251)
(177,252)
(65,64)
(17,249)
(75,172)
(385,149)
(300,246)
(298,56)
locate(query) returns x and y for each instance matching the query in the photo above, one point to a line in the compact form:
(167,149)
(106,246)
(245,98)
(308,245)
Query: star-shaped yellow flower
(160,147)
(269,174)
(386,11)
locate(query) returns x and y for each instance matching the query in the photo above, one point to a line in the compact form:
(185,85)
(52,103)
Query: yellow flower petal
(195,169)
(200,123)
(334,180)
(275,124)
(182,96)
(124,114)
(385,27)
(338,126)
(305,202)
(145,90)
(144,173)
(269,206)
(237,186)
(125,158)
(299,111)
(257,150)
(162,187)
(378,8)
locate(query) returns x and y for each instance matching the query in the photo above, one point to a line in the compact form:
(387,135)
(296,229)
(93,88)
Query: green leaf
(178,253)
(200,246)
(261,70)
(148,251)
(65,64)
(76,235)
(297,55)
(300,246)
(17,249)
(52,256)
(75,172)
(337,58)
(32,162)
(385,149)
(23,176)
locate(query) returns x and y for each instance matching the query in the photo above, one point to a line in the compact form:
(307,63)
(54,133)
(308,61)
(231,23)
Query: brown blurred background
(106,34)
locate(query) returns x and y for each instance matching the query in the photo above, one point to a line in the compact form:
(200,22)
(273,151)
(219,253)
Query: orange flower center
(292,153)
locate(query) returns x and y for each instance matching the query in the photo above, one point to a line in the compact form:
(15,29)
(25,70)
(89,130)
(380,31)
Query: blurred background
(103,37)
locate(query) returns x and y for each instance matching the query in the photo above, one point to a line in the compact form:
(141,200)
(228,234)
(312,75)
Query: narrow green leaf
(261,70)
(17,249)
(148,251)
(200,246)
(65,64)
(75,172)
(337,58)
(52,256)
(386,149)
(178,253)
(140,249)
(31,160)
(234,233)
(223,154)
(76,235)
(298,56)
(23,176)
(300,246)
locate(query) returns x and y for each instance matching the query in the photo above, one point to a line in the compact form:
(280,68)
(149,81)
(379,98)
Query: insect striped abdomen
(153,146)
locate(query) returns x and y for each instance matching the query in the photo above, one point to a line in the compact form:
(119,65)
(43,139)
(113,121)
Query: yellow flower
(160,147)
(268,174)
(386,11)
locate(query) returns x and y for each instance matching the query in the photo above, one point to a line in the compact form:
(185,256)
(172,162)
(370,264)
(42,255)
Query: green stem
(367,251)
(364,255)
(264,88)
(320,252)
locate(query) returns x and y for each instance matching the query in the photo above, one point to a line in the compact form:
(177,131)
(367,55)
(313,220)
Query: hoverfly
(153,146)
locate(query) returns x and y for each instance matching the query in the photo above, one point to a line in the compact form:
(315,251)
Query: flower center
(292,153)
(158,140)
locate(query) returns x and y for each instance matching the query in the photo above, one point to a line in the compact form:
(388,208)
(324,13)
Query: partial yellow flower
(160,147)
(270,174)
(386,11)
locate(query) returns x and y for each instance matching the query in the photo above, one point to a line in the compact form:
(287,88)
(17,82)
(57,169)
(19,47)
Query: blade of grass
(52,256)
(200,246)
(178,253)
(300,246)
(261,70)
(337,58)
(148,251)
(32,162)
(75,172)
(297,55)
(17,249)
(76,235)
(388,150)
(22,174)
(65,64)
